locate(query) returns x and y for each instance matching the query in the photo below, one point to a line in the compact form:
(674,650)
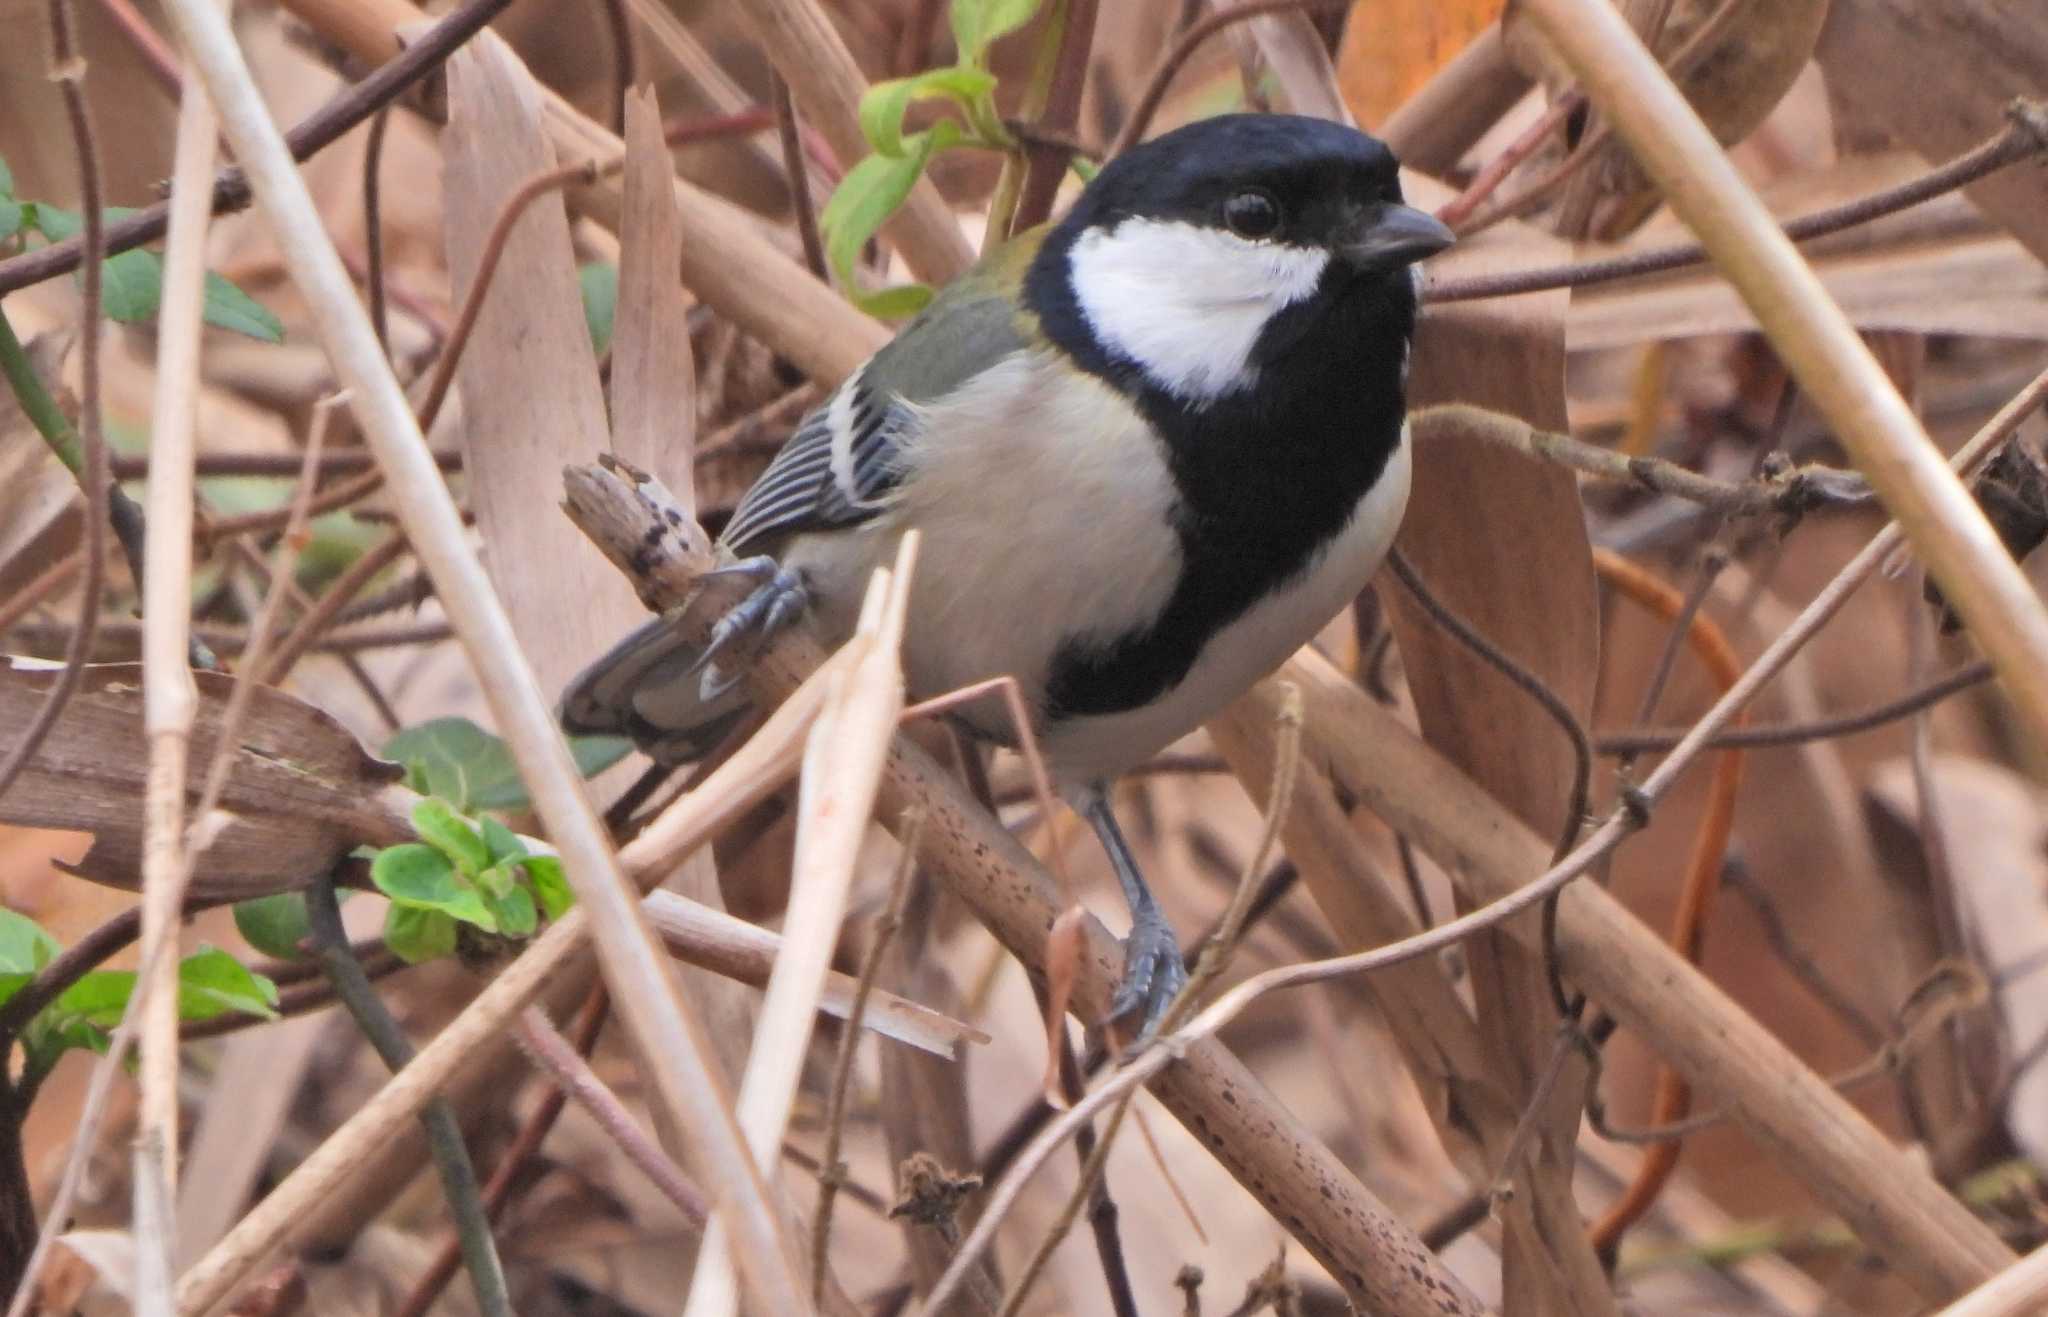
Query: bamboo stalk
(669,1039)
(728,260)
(1895,1206)
(1820,347)
(842,768)
(761,766)
(170,699)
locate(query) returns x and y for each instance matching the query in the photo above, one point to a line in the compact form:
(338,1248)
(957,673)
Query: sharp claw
(777,601)
(715,682)
(1154,974)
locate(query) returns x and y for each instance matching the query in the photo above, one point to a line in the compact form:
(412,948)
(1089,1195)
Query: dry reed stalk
(2017,1290)
(842,769)
(1893,1204)
(669,1039)
(761,766)
(728,260)
(1820,348)
(745,953)
(169,695)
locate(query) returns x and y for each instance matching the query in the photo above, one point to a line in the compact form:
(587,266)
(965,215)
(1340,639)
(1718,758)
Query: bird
(1151,449)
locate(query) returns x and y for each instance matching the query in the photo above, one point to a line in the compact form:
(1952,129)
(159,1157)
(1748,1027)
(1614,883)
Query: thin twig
(619,28)
(1821,729)
(1185,45)
(170,699)
(1530,684)
(787,127)
(1735,877)
(509,214)
(307,631)
(668,1037)
(567,1069)
(2026,136)
(154,52)
(67,69)
(832,1171)
(228,736)
(525,1145)
(373,225)
(53,578)
(318,130)
(1787,493)
(1458,210)
(347,461)
(444,1135)
(1057,111)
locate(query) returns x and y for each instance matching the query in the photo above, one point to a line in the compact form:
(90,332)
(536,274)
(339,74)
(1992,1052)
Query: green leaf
(275,925)
(12,215)
(415,874)
(550,884)
(54,222)
(503,843)
(24,946)
(515,913)
(423,878)
(497,880)
(99,999)
(884,105)
(460,762)
(465,765)
(6,180)
(132,285)
(600,302)
(132,282)
(228,307)
(452,835)
(418,935)
(864,200)
(211,982)
(979,24)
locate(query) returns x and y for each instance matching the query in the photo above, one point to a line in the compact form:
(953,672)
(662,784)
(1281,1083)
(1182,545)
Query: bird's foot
(1154,973)
(778,599)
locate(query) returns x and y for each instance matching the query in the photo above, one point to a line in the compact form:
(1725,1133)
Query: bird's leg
(1153,970)
(778,599)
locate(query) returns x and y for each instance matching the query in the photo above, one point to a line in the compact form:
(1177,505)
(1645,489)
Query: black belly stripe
(1269,477)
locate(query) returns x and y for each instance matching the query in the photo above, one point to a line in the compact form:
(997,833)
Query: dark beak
(1389,236)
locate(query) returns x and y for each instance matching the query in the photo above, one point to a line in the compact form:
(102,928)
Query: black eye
(1252,215)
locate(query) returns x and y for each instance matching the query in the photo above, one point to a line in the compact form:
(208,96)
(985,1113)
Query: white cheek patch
(1187,303)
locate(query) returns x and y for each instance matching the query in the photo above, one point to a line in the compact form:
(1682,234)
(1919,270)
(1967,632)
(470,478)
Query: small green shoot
(875,187)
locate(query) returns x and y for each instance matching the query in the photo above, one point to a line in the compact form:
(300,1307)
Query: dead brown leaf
(1392,47)
(654,383)
(1938,76)
(1734,80)
(1502,543)
(302,791)
(530,400)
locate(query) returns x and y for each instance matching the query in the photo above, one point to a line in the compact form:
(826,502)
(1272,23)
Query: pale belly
(1094,556)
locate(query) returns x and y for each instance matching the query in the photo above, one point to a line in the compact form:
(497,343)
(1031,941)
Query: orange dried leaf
(1391,47)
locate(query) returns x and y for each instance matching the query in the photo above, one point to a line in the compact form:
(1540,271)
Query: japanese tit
(1152,449)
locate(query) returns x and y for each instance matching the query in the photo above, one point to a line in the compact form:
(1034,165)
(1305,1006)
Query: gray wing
(836,470)
(839,467)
